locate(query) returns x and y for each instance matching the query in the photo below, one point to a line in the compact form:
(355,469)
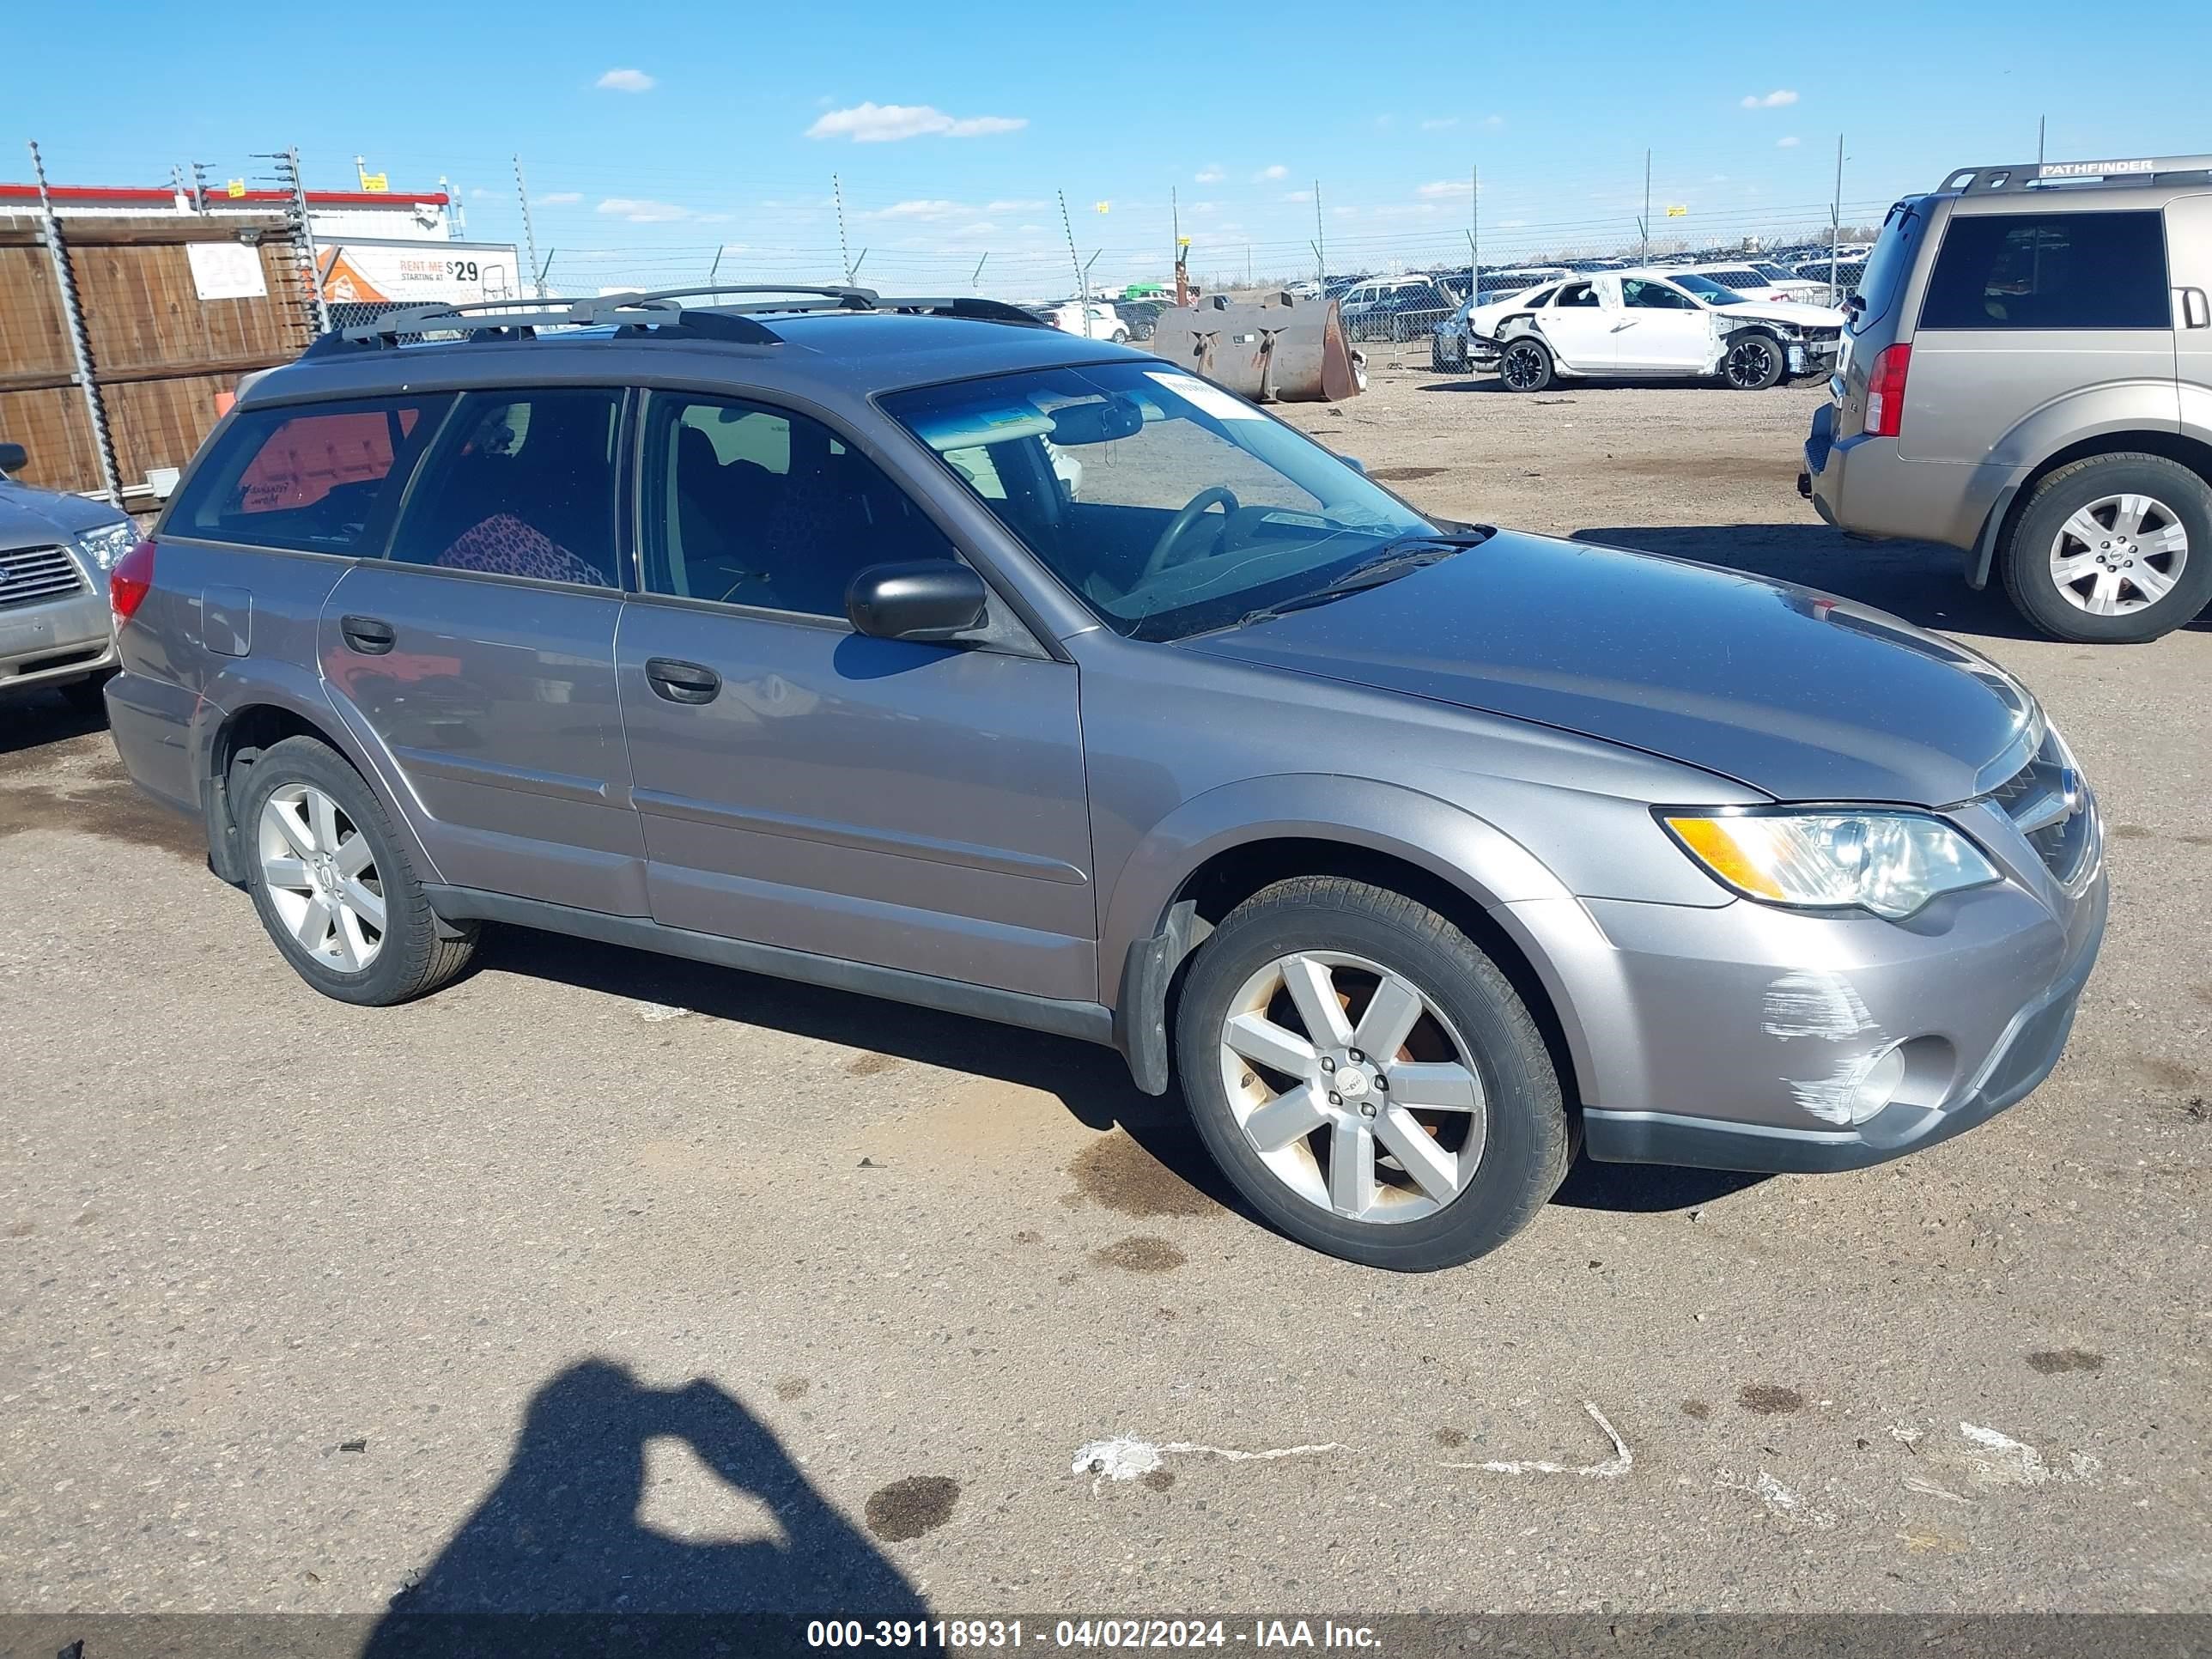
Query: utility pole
(1645,223)
(303,236)
(844,249)
(529,233)
(1475,236)
(1321,241)
(2040,122)
(1836,219)
(975,280)
(199,186)
(1075,259)
(103,441)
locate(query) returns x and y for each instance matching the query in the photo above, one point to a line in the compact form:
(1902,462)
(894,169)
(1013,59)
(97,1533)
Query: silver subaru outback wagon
(910,648)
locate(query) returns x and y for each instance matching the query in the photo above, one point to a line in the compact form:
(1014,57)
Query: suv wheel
(2114,550)
(1754,363)
(1526,366)
(332,884)
(1367,1077)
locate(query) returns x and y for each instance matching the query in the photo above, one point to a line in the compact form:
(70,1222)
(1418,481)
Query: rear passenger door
(1580,327)
(917,807)
(478,657)
(2023,308)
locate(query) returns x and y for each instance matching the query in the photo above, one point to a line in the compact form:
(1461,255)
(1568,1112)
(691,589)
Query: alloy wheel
(2118,554)
(321,877)
(1524,366)
(1751,363)
(1354,1087)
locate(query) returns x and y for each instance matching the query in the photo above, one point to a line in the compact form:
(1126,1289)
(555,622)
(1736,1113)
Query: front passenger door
(1660,327)
(917,807)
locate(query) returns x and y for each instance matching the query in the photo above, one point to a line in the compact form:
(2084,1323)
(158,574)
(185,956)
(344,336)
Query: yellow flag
(1104,207)
(1676,212)
(235,187)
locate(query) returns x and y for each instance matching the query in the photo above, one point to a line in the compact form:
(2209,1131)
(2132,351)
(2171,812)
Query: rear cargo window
(323,478)
(1881,279)
(2047,270)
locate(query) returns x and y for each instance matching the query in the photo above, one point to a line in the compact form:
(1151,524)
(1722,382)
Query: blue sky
(653,138)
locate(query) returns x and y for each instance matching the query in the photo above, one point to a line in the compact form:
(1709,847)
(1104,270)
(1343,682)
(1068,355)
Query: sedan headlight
(1890,863)
(106,544)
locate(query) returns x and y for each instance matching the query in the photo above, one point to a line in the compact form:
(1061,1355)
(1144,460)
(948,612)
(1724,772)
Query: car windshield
(1706,289)
(1167,505)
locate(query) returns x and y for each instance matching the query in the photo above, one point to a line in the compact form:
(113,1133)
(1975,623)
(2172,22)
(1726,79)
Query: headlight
(109,543)
(1890,863)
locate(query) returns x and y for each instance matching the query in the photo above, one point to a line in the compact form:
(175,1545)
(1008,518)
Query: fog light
(1879,1086)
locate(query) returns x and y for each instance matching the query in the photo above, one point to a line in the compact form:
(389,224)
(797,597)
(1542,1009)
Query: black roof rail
(643,315)
(2110,174)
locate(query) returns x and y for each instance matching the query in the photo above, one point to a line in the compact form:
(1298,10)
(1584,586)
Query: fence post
(304,256)
(80,343)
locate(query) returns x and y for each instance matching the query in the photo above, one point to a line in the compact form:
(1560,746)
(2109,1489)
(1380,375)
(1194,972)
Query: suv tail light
(1884,402)
(131,580)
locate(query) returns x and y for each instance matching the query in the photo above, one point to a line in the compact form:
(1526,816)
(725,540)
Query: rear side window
(2046,271)
(322,478)
(1881,278)
(522,483)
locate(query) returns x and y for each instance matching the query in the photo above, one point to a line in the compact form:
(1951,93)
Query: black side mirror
(929,600)
(14,457)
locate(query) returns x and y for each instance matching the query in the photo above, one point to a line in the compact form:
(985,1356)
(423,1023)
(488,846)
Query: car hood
(1785,311)
(1803,696)
(40,518)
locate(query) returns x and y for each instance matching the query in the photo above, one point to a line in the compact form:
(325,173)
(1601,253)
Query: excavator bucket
(1277,348)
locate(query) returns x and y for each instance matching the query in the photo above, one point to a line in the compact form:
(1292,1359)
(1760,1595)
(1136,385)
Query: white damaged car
(1653,324)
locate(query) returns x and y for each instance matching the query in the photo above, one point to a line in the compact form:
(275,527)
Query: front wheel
(1368,1078)
(1754,363)
(2114,550)
(1526,366)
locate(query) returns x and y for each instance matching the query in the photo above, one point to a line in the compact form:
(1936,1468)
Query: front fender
(1144,938)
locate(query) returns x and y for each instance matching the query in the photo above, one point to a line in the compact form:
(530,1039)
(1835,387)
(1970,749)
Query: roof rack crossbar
(2115,172)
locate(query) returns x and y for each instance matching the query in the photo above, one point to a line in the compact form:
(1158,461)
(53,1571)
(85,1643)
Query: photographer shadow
(557,1545)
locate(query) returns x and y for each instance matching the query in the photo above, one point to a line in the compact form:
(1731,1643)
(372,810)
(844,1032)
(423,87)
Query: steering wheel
(1179,526)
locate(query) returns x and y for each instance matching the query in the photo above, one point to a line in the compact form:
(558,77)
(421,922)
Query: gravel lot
(602,1275)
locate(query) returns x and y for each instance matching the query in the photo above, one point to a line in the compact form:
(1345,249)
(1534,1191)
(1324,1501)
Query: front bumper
(1729,1037)
(64,639)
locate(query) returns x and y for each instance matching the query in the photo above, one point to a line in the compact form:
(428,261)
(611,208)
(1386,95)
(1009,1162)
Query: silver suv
(55,553)
(2027,375)
(785,636)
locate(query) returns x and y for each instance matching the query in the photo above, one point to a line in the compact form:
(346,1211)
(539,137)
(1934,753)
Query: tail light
(1885,404)
(130,583)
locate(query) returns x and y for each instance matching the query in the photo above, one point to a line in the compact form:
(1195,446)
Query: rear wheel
(2114,550)
(1525,365)
(1754,363)
(1367,1077)
(333,884)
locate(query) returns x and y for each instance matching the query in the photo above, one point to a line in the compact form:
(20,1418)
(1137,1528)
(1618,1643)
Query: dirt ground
(599,1275)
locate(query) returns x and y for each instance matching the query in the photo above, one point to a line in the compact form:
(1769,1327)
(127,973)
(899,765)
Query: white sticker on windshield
(1204,396)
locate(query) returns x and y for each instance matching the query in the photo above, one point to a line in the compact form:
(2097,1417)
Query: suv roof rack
(660,313)
(2029,175)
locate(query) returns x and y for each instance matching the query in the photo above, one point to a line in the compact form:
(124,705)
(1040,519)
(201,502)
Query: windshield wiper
(1394,559)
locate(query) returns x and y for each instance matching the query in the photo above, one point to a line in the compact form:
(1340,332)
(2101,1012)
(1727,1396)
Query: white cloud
(1444,187)
(1264,174)
(1780,98)
(1203,207)
(625,80)
(638,210)
(1785,143)
(1015,206)
(923,208)
(886,124)
(1297,196)
(1210,173)
(1440,124)
(560,197)
(1496,121)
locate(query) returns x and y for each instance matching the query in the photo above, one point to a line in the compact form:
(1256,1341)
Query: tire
(1121,337)
(1755,362)
(2170,508)
(1470,1020)
(1525,365)
(410,955)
